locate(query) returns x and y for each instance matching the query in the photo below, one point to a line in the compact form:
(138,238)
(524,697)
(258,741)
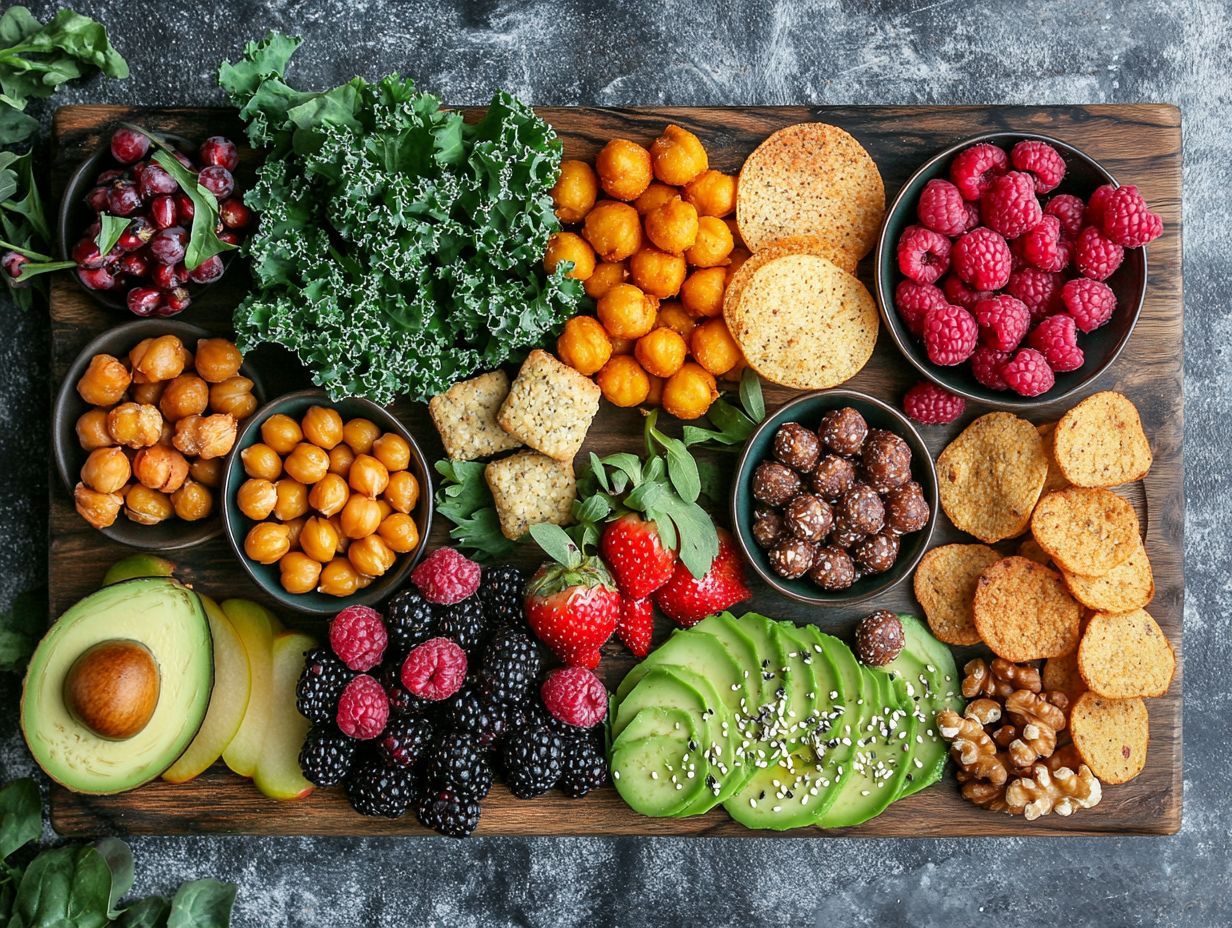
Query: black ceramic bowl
(70,456)
(1101,347)
(809,410)
(237,524)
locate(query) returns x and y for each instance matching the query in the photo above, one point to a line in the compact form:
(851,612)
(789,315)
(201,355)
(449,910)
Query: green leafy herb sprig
(21,627)
(463,497)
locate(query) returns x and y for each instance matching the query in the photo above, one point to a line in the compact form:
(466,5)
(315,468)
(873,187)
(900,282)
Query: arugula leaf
(202,904)
(109,231)
(21,627)
(464,499)
(203,241)
(21,816)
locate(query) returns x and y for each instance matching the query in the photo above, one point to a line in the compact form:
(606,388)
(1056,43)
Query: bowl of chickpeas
(326,503)
(144,420)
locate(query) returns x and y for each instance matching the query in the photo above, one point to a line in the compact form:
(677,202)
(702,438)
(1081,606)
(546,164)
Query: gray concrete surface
(791,51)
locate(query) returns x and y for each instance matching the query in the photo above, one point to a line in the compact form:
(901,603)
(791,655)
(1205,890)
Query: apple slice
(256,627)
(278,775)
(228,701)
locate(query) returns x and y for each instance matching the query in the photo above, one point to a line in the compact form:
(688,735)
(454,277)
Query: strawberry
(636,625)
(686,599)
(635,554)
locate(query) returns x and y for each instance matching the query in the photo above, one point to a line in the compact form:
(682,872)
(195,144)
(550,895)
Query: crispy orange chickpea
(292,499)
(98,509)
(104,381)
(623,382)
(260,460)
(402,493)
(368,476)
(207,472)
(322,426)
(614,230)
(569,246)
(713,346)
(655,395)
(393,451)
(712,192)
(627,312)
(734,228)
(135,426)
(575,191)
(343,540)
(256,498)
(714,243)
(676,318)
(266,542)
(653,197)
(166,437)
(338,578)
(234,397)
(672,226)
(605,276)
(702,291)
(678,156)
(186,395)
(584,345)
(661,351)
(298,573)
(147,507)
(386,509)
(92,431)
(737,257)
(359,434)
(360,517)
(205,436)
(689,392)
(656,272)
(340,458)
(282,433)
(307,463)
(193,501)
(319,539)
(371,556)
(217,359)
(623,346)
(160,468)
(296,528)
(624,169)
(399,532)
(162,359)
(106,470)
(328,495)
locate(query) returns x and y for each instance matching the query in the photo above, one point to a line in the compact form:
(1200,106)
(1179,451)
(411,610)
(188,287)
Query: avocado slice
(138,565)
(155,615)
(697,651)
(640,757)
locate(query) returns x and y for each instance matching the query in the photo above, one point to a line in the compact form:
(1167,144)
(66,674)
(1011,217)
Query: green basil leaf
(751,397)
(110,228)
(15,128)
(202,904)
(681,468)
(203,242)
(628,464)
(21,815)
(699,541)
(592,509)
(556,544)
(150,912)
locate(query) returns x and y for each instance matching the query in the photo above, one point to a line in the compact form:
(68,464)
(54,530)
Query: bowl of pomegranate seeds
(1012,268)
(128,213)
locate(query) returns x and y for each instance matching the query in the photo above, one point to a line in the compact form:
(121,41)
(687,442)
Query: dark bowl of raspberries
(1012,268)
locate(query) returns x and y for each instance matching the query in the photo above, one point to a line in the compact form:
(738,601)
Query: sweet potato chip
(1111,736)
(1086,531)
(1100,442)
(1024,612)
(945,587)
(1125,654)
(1128,586)
(1061,674)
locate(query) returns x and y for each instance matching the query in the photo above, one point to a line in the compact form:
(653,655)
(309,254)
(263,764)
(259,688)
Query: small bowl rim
(381,587)
(902,340)
(823,599)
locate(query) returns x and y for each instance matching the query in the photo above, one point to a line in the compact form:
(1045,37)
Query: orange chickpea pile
(160,422)
(332,501)
(655,253)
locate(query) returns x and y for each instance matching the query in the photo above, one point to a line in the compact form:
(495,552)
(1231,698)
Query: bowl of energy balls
(834,499)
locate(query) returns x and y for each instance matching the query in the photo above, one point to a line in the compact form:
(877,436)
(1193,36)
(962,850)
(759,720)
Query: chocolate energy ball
(879,638)
(861,510)
(797,447)
(843,431)
(843,535)
(906,509)
(808,518)
(832,477)
(877,553)
(775,484)
(832,568)
(768,529)
(792,558)
(885,460)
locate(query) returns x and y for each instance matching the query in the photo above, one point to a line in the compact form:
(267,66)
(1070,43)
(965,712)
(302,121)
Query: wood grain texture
(1139,144)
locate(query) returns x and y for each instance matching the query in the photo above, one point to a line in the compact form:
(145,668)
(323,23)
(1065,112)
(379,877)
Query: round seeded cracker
(1125,654)
(1023,611)
(1061,674)
(1100,442)
(1086,531)
(1128,586)
(1111,736)
(1055,479)
(792,245)
(945,588)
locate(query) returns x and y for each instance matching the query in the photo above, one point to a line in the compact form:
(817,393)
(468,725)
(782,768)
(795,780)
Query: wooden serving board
(1140,144)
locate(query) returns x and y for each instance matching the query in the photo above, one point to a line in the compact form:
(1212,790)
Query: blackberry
(463,622)
(402,702)
(477,714)
(375,789)
(502,589)
(446,813)
(584,767)
(533,758)
(409,620)
(511,665)
(326,756)
(320,684)
(457,764)
(406,740)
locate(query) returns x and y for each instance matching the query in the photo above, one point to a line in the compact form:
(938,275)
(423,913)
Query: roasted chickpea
(135,426)
(672,226)
(661,352)
(702,291)
(386,510)
(186,395)
(674,316)
(623,346)
(260,460)
(402,493)
(193,501)
(166,436)
(623,382)
(319,539)
(338,578)
(207,472)
(714,243)
(575,191)
(298,572)
(282,433)
(328,495)
(734,228)
(627,312)
(234,397)
(605,276)
(359,434)
(399,532)
(147,507)
(713,346)
(106,470)
(689,392)
(307,463)
(256,498)
(654,397)
(360,517)
(614,230)
(371,556)
(657,272)
(393,451)
(160,468)
(322,426)
(624,169)
(162,358)
(98,509)
(368,475)
(678,156)
(653,197)
(217,359)
(295,527)
(340,458)
(104,381)
(148,394)
(92,431)
(343,541)
(205,436)
(292,499)
(584,345)
(712,192)
(569,246)
(266,542)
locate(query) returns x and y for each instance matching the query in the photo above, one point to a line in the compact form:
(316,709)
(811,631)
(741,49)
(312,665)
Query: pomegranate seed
(207,271)
(86,254)
(109,175)
(219,151)
(167,246)
(135,265)
(143,301)
(96,199)
(128,145)
(217,180)
(123,198)
(168,276)
(136,169)
(234,214)
(98,278)
(184,160)
(12,263)
(175,301)
(139,232)
(155,181)
(231,237)
(184,208)
(162,211)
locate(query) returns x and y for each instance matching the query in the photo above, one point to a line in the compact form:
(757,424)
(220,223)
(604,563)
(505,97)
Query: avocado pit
(112,688)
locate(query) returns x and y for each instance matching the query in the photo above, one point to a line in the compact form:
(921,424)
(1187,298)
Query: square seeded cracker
(465,415)
(529,488)
(550,406)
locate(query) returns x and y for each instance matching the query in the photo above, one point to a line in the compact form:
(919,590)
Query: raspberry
(1090,302)
(1028,374)
(986,364)
(1056,338)
(960,294)
(932,405)
(1094,215)
(1095,256)
(1042,246)
(1069,209)
(950,334)
(434,670)
(1039,290)
(1009,205)
(363,708)
(1003,321)
(575,696)
(358,637)
(973,169)
(923,255)
(943,209)
(982,258)
(1039,159)
(1127,220)
(913,300)
(446,577)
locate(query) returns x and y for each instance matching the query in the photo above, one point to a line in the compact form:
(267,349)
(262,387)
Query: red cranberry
(96,199)
(162,211)
(207,271)
(184,208)
(128,145)
(184,160)
(234,214)
(135,265)
(109,175)
(220,151)
(139,232)
(167,245)
(12,263)
(86,254)
(143,301)
(155,180)
(123,198)
(217,180)
(231,237)
(168,276)
(136,169)
(174,301)
(98,278)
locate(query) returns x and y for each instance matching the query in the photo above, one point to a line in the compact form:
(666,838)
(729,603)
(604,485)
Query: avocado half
(75,677)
